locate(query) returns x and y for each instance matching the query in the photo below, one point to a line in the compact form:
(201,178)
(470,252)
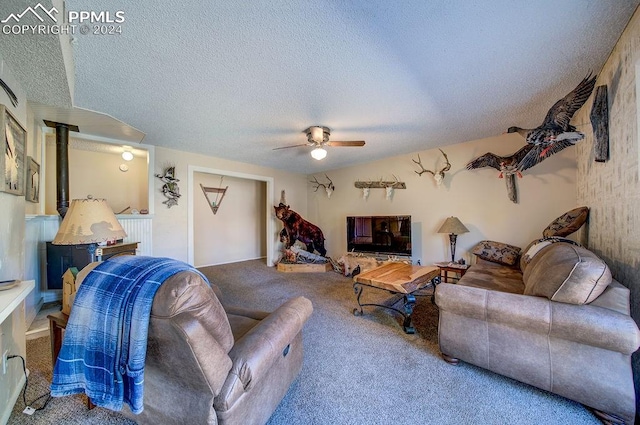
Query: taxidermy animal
(555,133)
(506,165)
(437,175)
(297,228)
(329,187)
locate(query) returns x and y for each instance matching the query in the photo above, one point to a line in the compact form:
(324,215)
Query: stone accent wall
(612,189)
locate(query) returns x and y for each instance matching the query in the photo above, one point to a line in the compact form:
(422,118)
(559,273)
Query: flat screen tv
(380,235)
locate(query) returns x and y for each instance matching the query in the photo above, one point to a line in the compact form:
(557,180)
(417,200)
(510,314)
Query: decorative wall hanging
(387,185)
(170,188)
(600,123)
(507,165)
(555,133)
(438,176)
(14,158)
(33,181)
(12,96)
(328,187)
(219,191)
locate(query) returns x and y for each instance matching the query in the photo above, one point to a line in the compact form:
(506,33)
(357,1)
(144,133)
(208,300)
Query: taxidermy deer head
(365,193)
(390,188)
(329,187)
(437,175)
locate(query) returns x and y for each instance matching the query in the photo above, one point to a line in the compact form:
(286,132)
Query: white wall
(171,225)
(12,207)
(12,254)
(237,231)
(478,198)
(98,174)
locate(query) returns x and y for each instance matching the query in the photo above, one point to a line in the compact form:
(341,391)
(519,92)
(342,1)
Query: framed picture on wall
(14,159)
(33,181)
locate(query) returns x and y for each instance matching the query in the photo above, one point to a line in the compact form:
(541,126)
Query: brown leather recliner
(209,364)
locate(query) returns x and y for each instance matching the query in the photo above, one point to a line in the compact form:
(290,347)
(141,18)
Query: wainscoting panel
(139,229)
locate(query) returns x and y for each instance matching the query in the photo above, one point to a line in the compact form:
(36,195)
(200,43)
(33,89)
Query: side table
(57,323)
(446,268)
(108,251)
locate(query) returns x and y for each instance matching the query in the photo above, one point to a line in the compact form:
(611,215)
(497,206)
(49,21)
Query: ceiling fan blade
(346,143)
(292,146)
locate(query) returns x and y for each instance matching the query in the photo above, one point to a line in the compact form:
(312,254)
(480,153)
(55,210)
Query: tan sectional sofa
(558,322)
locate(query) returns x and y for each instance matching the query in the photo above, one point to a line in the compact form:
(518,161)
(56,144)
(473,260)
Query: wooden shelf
(217,190)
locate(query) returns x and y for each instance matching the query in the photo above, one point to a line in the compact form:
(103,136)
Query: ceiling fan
(318,138)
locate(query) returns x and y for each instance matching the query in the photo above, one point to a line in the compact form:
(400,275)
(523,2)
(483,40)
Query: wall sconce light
(453,226)
(318,153)
(127,155)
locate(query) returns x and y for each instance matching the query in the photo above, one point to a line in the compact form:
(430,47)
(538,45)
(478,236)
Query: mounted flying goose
(507,165)
(555,133)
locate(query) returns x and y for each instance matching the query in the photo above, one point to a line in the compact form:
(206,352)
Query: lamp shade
(89,221)
(453,226)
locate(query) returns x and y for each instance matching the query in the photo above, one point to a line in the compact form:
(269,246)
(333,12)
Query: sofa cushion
(566,273)
(497,252)
(536,246)
(494,277)
(567,223)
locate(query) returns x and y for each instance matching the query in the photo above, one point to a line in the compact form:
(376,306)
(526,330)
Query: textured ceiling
(236,79)
(37,61)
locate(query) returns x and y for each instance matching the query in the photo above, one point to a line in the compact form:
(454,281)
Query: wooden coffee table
(398,279)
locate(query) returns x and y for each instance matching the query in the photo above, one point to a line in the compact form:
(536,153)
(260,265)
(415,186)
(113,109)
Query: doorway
(241,228)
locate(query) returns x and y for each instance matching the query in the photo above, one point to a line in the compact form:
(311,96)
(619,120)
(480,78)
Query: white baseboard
(232,262)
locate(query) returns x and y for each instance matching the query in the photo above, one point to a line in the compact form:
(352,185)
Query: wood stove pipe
(62,164)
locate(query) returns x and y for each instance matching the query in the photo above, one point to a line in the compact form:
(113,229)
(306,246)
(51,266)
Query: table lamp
(453,227)
(89,222)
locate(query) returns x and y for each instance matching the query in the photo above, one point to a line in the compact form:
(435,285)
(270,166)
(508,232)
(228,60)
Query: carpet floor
(356,370)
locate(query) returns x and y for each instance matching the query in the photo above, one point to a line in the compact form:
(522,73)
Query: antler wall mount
(438,175)
(328,187)
(389,186)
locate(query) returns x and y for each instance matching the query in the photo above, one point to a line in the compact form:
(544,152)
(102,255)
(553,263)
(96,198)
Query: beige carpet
(357,370)
(65,410)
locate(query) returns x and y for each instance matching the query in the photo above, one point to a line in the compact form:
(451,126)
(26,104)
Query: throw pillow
(567,223)
(497,252)
(536,246)
(566,273)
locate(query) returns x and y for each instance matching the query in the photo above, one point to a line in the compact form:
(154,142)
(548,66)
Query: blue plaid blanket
(105,342)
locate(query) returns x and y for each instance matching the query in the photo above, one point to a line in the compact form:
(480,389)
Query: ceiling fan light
(318,153)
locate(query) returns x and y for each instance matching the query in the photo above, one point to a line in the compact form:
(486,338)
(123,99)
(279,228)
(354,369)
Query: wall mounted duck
(555,133)
(506,165)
